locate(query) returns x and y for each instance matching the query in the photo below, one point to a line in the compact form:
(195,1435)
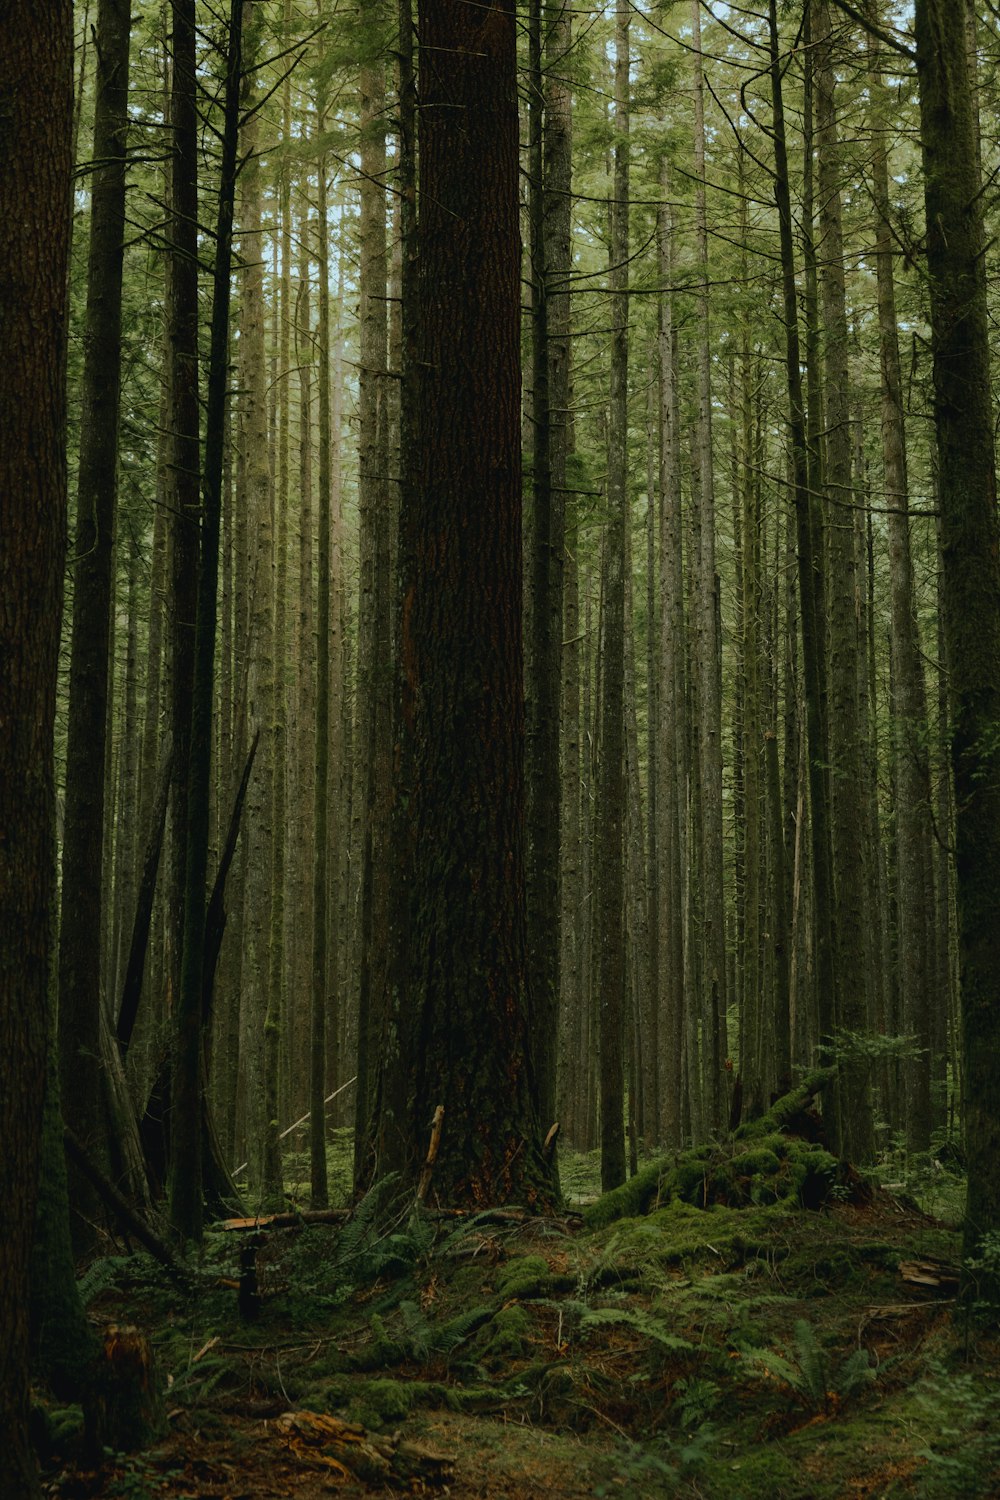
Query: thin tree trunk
(910,723)
(260,638)
(708,649)
(374,675)
(852,1097)
(82,924)
(610,792)
(672,755)
(544,619)
(187,1074)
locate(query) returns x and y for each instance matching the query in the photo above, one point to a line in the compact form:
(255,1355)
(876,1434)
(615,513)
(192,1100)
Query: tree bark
(36,100)
(82,923)
(457,1014)
(374,675)
(672,731)
(971,579)
(611,789)
(544,618)
(185,1178)
(708,650)
(852,1102)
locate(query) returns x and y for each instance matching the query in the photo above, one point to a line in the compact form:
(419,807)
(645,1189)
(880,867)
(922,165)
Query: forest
(499,749)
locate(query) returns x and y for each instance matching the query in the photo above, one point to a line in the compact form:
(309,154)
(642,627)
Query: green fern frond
(814,1363)
(642,1322)
(98,1276)
(855,1373)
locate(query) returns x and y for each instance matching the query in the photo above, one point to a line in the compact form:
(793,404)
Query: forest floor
(725,1353)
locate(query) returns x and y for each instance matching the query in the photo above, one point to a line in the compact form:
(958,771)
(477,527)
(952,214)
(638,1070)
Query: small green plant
(696,1399)
(809,1371)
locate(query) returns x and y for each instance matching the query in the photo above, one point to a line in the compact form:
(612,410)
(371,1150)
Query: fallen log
(353,1452)
(123,1210)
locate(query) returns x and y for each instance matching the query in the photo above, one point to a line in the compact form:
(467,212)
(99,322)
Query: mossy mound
(528,1276)
(766,1162)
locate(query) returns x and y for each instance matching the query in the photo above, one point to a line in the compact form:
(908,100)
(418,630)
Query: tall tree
(914,872)
(672,731)
(187,1074)
(854,1134)
(971,578)
(458,1015)
(36,107)
(262,1127)
(707,646)
(184,422)
(84,911)
(374,699)
(610,914)
(544,617)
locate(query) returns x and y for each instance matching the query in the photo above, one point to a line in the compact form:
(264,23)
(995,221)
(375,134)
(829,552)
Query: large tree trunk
(971,582)
(36,97)
(457,1014)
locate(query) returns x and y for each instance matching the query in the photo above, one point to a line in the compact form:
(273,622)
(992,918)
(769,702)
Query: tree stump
(123,1406)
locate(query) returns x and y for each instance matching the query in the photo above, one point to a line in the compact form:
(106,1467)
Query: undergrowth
(701,1349)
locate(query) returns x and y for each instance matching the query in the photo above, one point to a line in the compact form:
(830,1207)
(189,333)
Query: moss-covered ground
(767,1350)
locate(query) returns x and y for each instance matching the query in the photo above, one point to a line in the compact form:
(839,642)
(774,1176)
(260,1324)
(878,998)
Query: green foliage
(809,1370)
(963,1457)
(527,1276)
(99,1276)
(639,1319)
(506,1335)
(982,1274)
(695,1398)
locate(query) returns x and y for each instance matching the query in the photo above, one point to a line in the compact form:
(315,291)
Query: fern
(361,1228)
(642,1322)
(811,1375)
(419,1330)
(425,1337)
(98,1276)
